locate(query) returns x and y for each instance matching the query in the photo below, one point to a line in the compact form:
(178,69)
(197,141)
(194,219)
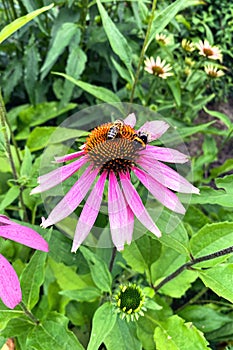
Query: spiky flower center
(208,52)
(158,70)
(112,148)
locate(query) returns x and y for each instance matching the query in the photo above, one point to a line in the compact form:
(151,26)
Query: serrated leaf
(117,41)
(175,334)
(220,280)
(53,333)
(58,45)
(103,322)
(99,270)
(99,92)
(20,22)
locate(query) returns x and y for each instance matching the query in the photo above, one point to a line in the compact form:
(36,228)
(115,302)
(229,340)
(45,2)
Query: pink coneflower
(213,71)
(158,67)
(112,152)
(212,52)
(10,291)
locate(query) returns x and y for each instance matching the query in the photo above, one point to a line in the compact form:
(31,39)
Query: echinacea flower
(187,45)
(162,38)
(10,291)
(112,153)
(213,71)
(130,302)
(158,67)
(212,52)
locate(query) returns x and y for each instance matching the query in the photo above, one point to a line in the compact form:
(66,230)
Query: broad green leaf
(6,315)
(9,197)
(67,278)
(31,71)
(204,317)
(58,45)
(174,85)
(99,270)
(162,18)
(20,22)
(42,112)
(117,41)
(123,336)
(32,279)
(142,253)
(103,322)
(196,218)
(221,116)
(53,333)
(168,262)
(175,334)
(220,280)
(224,168)
(99,92)
(211,238)
(88,294)
(17,327)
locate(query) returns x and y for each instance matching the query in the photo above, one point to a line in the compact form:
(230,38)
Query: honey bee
(115,129)
(140,140)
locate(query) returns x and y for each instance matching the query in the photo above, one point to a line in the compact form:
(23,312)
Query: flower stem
(143,50)
(29,314)
(112,259)
(190,264)
(5,125)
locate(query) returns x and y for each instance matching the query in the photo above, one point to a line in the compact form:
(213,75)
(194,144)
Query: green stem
(143,50)
(112,259)
(189,264)
(5,124)
(29,314)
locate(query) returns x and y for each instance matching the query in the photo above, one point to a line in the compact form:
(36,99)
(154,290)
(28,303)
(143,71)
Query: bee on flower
(113,153)
(158,67)
(209,51)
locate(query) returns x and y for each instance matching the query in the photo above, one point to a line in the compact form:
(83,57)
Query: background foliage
(80,53)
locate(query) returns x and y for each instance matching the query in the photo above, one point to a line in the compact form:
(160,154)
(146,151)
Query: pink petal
(161,193)
(23,235)
(130,120)
(120,225)
(57,176)
(70,156)
(10,291)
(164,154)
(155,128)
(89,213)
(73,198)
(136,205)
(167,176)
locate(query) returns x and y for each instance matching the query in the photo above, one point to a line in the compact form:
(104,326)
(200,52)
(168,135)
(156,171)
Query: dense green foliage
(77,54)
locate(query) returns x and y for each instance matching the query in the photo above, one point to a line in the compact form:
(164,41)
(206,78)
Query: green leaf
(88,294)
(6,315)
(142,253)
(42,112)
(53,333)
(17,327)
(174,85)
(103,322)
(62,39)
(162,18)
(211,238)
(31,62)
(99,270)
(220,280)
(20,22)
(26,164)
(221,116)
(224,168)
(99,92)
(175,334)
(9,197)
(32,279)
(168,262)
(117,41)
(204,317)
(123,336)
